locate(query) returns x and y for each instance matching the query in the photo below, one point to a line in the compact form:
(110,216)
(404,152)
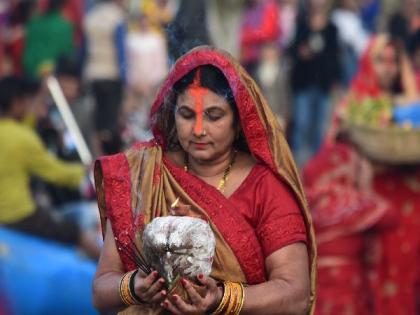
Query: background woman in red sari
(218,148)
(351,196)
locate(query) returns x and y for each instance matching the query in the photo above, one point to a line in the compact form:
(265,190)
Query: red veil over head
(265,141)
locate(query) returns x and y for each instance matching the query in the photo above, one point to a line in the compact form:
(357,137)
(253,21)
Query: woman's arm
(287,290)
(110,270)
(108,274)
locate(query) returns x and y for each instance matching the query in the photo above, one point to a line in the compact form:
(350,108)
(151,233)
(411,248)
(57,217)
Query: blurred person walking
(386,71)
(315,72)
(73,11)
(259,26)
(56,136)
(23,155)
(272,75)
(14,38)
(147,66)
(353,38)
(287,21)
(347,199)
(48,36)
(345,210)
(224,22)
(105,69)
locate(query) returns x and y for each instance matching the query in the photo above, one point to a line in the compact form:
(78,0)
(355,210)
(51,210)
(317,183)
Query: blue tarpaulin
(43,277)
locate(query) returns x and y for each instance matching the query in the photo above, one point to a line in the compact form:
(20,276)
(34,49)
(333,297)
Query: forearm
(275,297)
(40,162)
(106,297)
(55,171)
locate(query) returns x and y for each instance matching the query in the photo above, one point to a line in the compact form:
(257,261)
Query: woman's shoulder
(131,155)
(254,168)
(260,176)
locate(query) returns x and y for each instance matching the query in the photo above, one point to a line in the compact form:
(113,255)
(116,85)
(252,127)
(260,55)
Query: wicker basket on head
(392,145)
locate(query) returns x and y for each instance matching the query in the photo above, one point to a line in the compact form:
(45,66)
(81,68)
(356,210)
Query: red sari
(342,213)
(374,241)
(268,210)
(394,263)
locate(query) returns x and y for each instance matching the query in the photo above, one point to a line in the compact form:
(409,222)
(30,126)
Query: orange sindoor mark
(198,93)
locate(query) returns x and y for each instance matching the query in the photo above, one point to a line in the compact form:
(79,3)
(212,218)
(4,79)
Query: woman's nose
(198,126)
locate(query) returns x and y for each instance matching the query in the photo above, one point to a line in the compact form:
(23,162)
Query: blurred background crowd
(110,56)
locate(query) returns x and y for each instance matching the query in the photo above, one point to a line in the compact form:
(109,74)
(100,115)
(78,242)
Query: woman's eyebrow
(184,107)
(215,107)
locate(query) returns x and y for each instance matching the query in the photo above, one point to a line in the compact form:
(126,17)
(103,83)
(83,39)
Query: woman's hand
(149,287)
(199,304)
(180,210)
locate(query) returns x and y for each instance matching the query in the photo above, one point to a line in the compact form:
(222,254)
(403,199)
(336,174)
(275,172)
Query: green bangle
(133,291)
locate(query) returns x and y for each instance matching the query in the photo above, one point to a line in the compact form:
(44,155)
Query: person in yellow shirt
(23,155)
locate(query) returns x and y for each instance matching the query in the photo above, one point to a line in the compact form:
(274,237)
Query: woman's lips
(200,145)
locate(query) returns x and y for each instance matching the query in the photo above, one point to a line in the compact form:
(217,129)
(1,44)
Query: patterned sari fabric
(366,235)
(342,211)
(136,186)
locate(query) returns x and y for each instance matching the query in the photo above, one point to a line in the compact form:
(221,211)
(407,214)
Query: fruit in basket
(375,112)
(384,132)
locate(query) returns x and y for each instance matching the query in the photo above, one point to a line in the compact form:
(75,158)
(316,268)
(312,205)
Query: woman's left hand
(199,304)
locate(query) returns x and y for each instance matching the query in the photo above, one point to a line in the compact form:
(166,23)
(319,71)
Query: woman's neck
(206,169)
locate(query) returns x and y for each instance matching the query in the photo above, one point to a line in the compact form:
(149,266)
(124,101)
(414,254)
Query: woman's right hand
(149,288)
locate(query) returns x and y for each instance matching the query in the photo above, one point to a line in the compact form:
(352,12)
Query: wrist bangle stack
(126,289)
(232,300)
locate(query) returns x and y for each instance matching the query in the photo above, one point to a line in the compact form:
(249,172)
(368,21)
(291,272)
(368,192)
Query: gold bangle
(225,299)
(235,298)
(232,299)
(242,299)
(124,289)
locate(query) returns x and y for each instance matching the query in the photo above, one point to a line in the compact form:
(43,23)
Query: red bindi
(198,92)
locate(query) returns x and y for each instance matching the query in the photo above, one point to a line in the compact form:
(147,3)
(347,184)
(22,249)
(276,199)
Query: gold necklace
(222,183)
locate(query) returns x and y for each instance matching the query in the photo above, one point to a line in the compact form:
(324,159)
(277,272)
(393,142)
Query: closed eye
(214,113)
(185,112)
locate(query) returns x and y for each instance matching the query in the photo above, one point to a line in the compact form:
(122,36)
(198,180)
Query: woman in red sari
(218,147)
(367,215)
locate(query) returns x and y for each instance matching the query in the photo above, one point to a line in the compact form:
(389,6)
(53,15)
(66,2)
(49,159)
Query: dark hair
(68,66)
(211,78)
(13,88)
